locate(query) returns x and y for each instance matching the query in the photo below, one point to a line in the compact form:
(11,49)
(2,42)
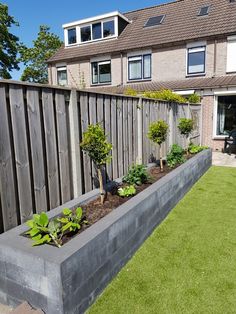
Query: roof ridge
(154,6)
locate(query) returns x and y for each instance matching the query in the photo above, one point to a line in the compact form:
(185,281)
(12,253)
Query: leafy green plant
(157,134)
(130,92)
(194,149)
(96,145)
(194,99)
(136,175)
(185,127)
(175,156)
(165,94)
(42,230)
(127,191)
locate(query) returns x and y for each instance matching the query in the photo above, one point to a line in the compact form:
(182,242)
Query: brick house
(187,46)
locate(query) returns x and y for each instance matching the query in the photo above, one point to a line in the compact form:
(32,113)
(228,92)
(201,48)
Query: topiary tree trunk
(101,185)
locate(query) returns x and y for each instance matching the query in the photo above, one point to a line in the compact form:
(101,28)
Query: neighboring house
(185,45)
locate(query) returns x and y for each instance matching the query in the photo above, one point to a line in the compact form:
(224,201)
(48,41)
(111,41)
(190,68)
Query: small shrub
(157,134)
(186,127)
(165,94)
(194,99)
(130,92)
(127,191)
(96,145)
(136,175)
(194,149)
(175,156)
(42,230)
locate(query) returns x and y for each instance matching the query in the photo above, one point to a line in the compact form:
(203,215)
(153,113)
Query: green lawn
(188,265)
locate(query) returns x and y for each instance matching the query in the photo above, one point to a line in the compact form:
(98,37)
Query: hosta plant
(136,175)
(127,191)
(194,149)
(175,156)
(42,230)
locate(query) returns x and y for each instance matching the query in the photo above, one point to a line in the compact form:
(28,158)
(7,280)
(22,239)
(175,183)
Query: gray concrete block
(68,280)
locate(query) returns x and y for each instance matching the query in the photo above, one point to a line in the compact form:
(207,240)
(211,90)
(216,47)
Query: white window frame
(99,62)
(229,67)
(139,55)
(215,111)
(60,69)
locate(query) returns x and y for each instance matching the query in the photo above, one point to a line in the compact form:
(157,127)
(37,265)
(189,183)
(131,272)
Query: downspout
(121,70)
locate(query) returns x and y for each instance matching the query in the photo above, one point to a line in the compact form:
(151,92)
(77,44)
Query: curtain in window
(221,119)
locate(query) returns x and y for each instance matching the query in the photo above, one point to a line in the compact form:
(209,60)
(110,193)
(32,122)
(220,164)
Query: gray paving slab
(5,309)
(224,160)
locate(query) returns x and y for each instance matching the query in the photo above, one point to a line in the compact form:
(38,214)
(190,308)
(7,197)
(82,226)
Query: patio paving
(224,160)
(5,309)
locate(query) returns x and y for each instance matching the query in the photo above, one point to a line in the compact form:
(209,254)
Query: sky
(54,13)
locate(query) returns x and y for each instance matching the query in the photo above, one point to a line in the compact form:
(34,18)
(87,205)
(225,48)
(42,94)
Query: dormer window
(72,36)
(101,27)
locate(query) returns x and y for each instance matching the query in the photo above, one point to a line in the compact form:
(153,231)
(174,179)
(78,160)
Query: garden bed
(67,280)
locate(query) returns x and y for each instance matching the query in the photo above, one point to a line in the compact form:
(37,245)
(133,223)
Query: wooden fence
(41,163)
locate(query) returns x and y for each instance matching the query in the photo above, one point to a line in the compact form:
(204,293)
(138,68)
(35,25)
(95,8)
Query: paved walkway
(220,159)
(5,309)
(24,308)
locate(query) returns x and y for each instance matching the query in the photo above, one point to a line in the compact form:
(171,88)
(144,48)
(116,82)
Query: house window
(139,67)
(62,76)
(97,30)
(101,72)
(231,53)
(226,115)
(85,33)
(108,29)
(72,36)
(196,60)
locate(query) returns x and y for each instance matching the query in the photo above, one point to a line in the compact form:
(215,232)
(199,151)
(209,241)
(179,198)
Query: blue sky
(30,14)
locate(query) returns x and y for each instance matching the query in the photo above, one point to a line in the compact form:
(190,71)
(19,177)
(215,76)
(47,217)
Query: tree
(96,145)
(158,133)
(9,44)
(185,127)
(35,58)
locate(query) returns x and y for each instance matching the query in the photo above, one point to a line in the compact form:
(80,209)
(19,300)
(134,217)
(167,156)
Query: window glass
(85,33)
(146,66)
(97,30)
(108,28)
(72,36)
(135,68)
(104,72)
(95,73)
(196,60)
(226,115)
(62,76)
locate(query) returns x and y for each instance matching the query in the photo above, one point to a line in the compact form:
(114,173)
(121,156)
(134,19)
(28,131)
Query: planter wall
(68,280)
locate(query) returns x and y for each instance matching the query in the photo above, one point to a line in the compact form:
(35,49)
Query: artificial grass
(188,264)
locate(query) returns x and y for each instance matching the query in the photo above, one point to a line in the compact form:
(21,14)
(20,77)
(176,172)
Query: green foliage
(194,99)
(130,92)
(194,149)
(165,94)
(175,156)
(158,131)
(185,126)
(96,145)
(42,230)
(136,175)
(9,44)
(35,57)
(127,191)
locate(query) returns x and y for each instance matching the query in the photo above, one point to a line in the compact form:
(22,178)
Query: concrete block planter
(67,280)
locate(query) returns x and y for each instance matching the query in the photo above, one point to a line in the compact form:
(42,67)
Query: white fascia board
(185,92)
(96,18)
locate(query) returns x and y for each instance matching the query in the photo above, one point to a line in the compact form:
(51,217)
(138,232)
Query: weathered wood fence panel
(41,127)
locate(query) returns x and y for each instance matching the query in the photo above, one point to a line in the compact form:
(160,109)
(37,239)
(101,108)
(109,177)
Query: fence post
(139,159)
(75,144)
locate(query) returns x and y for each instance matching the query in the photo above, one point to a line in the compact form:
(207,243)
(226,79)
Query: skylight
(204,11)
(153,21)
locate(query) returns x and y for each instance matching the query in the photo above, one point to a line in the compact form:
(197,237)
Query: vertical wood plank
(120,136)
(51,148)
(7,179)
(84,125)
(63,146)
(114,137)
(135,131)
(125,135)
(93,120)
(36,143)
(100,110)
(107,105)
(21,152)
(130,131)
